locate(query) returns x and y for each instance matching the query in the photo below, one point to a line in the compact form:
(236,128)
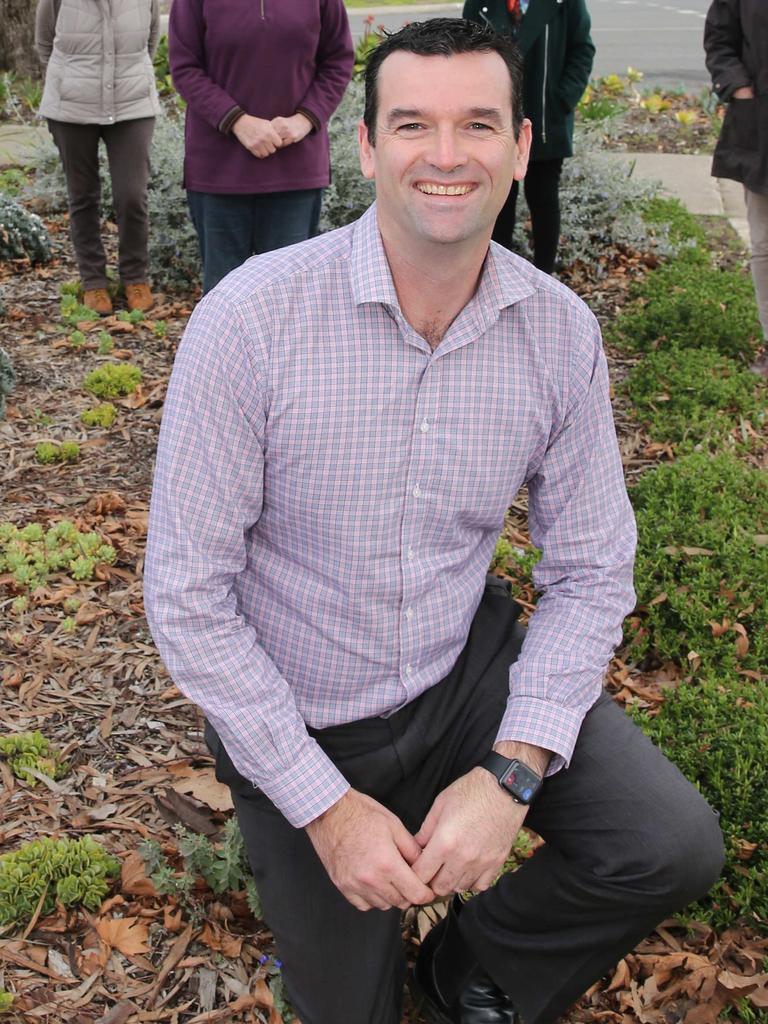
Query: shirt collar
(504,280)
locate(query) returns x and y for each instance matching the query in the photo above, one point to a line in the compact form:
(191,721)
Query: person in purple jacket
(260,79)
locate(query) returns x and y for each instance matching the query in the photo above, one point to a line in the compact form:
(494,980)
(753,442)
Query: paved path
(686,177)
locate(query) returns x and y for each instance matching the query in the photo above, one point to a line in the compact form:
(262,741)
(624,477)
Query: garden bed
(129,764)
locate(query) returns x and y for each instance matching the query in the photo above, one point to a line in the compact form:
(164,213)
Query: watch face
(521,782)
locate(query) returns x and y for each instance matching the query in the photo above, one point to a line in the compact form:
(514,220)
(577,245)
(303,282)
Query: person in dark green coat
(554,38)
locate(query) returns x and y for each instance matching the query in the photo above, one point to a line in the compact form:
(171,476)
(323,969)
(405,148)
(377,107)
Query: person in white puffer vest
(100,84)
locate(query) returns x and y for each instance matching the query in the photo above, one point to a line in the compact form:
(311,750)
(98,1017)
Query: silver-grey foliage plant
(174,256)
(601,202)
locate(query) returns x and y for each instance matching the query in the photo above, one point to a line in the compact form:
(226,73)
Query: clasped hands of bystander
(262,138)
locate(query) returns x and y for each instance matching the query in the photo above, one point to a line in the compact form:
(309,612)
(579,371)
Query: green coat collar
(538,14)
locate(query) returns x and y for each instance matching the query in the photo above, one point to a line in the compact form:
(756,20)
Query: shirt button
(411,554)
(417,491)
(409,613)
(424,426)
(109,86)
(407,670)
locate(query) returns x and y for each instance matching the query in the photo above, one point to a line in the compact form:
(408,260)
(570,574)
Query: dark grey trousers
(628,841)
(127,145)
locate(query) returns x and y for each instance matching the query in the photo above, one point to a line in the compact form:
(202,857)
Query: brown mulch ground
(137,761)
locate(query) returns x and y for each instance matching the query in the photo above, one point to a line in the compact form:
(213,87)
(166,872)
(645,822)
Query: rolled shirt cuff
(227,122)
(311,117)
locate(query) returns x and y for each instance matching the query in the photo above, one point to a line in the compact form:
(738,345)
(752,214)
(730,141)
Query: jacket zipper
(544,86)
(262,10)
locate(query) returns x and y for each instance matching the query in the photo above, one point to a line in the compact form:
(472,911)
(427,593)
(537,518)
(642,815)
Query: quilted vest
(100,70)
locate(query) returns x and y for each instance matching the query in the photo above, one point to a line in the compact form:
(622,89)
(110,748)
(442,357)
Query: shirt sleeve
(186,53)
(45,29)
(723,45)
(580,516)
(206,498)
(154,28)
(334,60)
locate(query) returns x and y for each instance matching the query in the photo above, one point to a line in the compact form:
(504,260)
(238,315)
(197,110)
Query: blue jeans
(230,228)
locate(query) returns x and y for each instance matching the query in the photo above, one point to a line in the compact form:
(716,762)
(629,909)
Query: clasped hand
(376,863)
(262,138)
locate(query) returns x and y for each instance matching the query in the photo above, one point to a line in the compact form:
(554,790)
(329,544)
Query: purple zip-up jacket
(270,58)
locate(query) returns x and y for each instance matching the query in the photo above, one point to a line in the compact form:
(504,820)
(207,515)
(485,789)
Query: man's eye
(479,126)
(411,126)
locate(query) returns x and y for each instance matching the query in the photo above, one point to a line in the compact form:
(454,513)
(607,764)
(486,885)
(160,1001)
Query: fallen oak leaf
(127,934)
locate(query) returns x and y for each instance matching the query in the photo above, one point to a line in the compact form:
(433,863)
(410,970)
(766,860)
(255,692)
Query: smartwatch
(521,782)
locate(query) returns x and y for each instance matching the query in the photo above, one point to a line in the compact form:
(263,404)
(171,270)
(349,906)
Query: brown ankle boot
(98,300)
(139,296)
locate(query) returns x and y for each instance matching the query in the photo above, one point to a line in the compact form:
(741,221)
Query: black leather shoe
(449,983)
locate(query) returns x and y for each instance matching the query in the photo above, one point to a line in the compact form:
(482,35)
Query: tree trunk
(17,38)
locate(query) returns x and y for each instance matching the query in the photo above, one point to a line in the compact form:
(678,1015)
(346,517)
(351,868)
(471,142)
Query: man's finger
(404,841)
(428,826)
(411,887)
(429,864)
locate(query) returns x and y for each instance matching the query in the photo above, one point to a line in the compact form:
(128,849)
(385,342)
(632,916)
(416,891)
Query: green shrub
(31,554)
(6,1000)
(76,872)
(47,452)
(701,571)
(694,396)
(27,750)
(716,731)
(7,379)
(682,226)
(12,181)
(22,234)
(687,303)
(101,415)
(113,380)
(74,312)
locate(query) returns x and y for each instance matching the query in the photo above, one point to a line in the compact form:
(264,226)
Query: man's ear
(367,162)
(523,143)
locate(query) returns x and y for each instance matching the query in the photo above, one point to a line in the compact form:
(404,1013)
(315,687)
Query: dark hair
(443,37)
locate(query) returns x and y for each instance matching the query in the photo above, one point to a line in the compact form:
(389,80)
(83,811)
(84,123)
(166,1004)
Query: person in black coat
(553,36)
(736,46)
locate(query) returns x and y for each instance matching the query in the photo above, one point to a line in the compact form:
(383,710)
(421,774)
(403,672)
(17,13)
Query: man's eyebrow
(486,114)
(475,113)
(404,113)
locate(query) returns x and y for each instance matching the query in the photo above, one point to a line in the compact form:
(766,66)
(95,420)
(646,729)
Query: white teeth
(444,190)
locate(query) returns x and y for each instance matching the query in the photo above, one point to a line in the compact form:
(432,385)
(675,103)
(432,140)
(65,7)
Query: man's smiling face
(444,154)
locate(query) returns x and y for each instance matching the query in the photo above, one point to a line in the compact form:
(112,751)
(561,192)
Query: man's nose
(447,151)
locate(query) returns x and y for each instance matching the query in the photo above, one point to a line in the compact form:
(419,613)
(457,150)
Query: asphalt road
(662,39)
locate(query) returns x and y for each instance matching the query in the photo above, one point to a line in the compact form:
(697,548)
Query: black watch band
(521,782)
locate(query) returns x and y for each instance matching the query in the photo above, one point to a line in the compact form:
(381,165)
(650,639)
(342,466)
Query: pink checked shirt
(329,492)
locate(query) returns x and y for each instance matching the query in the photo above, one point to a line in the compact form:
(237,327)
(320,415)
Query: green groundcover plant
(702,564)
(113,380)
(715,729)
(31,553)
(695,397)
(27,750)
(688,303)
(74,872)
(47,452)
(101,415)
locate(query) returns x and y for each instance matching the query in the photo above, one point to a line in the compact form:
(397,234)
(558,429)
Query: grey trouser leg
(757,218)
(127,145)
(629,841)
